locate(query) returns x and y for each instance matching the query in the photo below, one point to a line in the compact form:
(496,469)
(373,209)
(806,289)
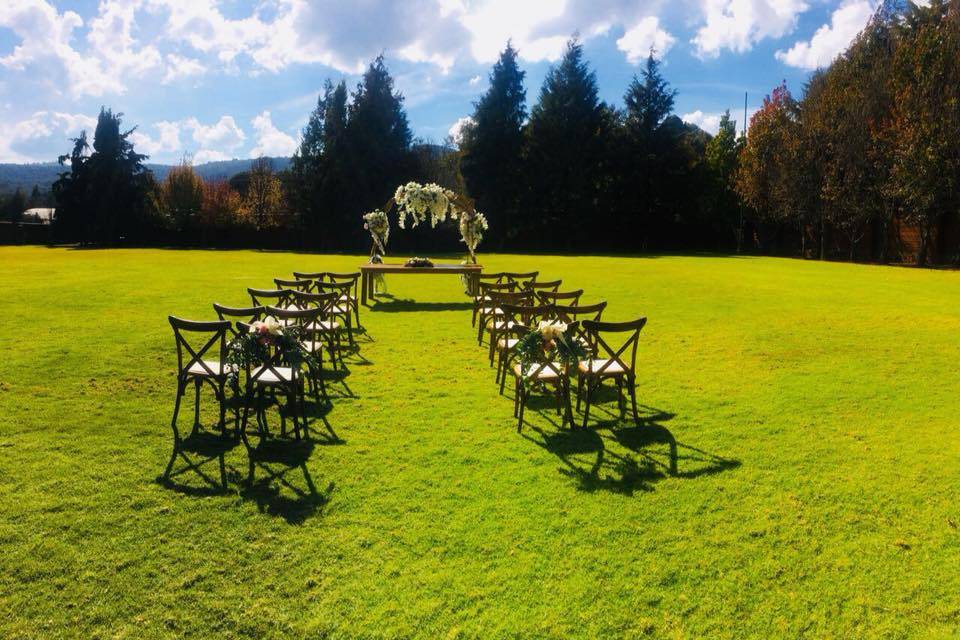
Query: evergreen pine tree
(565,154)
(493,142)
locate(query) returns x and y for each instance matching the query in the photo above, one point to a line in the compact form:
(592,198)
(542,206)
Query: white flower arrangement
(472,226)
(269,327)
(378,224)
(420,201)
(551,330)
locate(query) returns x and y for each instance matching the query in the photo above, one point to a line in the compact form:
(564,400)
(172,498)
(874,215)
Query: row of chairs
(320,308)
(509,305)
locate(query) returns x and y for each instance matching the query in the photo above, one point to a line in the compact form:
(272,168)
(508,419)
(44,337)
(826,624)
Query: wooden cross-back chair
(248,315)
(298,284)
(350,299)
(514,323)
(547,285)
(607,362)
(196,364)
(541,374)
(325,327)
(566,298)
(481,301)
(275,375)
(339,310)
(489,315)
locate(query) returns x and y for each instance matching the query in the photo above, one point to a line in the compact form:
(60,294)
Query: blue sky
(218,79)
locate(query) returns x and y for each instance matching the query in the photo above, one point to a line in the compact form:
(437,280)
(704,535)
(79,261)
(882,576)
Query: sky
(220,79)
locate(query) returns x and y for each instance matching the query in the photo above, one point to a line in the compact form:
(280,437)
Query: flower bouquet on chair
(553,342)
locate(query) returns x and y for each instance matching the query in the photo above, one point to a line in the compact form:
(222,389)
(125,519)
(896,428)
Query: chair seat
(508,343)
(546,374)
(491,311)
(277,375)
(481,299)
(313,345)
(347,298)
(218,368)
(323,325)
(338,310)
(594,367)
(500,325)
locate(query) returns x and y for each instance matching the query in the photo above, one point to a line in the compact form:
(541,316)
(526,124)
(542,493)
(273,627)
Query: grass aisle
(814,406)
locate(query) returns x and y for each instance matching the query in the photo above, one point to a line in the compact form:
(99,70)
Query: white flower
(551,330)
(269,326)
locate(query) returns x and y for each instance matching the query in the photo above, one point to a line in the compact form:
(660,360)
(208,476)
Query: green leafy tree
(182,196)
(492,144)
(925,172)
(721,154)
(264,196)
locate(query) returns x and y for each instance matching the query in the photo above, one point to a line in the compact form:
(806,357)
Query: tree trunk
(823,252)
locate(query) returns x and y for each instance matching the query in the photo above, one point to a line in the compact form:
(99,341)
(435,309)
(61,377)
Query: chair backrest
(570,298)
(247,314)
(340,288)
(626,353)
(491,277)
(208,334)
(343,277)
(528,316)
(488,288)
(313,300)
(306,275)
(580,313)
(300,284)
(512,297)
(513,276)
(275,297)
(551,285)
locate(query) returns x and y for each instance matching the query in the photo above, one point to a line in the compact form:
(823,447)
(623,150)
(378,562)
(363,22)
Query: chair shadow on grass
(197,451)
(407,304)
(590,456)
(275,492)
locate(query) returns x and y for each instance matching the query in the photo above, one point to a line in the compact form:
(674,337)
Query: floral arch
(420,202)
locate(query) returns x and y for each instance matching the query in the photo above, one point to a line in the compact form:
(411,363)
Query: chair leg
(480,327)
(579,390)
(222,397)
(196,405)
(502,368)
(633,400)
(621,403)
(588,397)
(493,346)
(523,403)
(176,433)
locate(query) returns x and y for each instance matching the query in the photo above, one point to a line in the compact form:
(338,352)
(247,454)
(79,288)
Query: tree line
(870,146)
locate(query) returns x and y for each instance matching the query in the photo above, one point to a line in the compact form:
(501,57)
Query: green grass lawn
(815,407)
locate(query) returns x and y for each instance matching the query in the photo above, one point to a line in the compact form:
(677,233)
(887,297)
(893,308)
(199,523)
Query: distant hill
(44,174)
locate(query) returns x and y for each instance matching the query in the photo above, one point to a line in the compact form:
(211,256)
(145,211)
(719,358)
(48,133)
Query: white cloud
(270,140)
(474,81)
(639,39)
(739,24)
(167,140)
(456,129)
(209,155)
(179,67)
(830,40)
(223,134)
(42,136)
(709,122)
(45,53)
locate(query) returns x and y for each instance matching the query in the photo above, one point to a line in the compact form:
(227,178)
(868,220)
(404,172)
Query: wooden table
(367,271)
